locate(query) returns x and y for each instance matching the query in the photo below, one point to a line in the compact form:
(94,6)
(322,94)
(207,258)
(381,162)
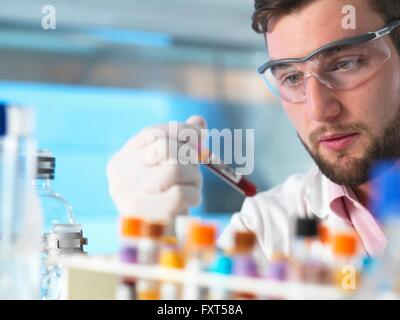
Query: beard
(351,171)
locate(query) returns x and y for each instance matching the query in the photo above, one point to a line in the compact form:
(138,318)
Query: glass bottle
(62,235)
(20,214)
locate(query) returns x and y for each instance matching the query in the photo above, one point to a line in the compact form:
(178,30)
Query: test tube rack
(96,277)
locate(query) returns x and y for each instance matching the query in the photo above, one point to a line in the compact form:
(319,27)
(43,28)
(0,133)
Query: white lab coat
(271,214)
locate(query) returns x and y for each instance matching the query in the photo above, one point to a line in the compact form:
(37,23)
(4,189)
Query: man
(343,99)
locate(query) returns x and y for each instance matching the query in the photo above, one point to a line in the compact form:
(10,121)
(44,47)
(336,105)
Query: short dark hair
(265,10)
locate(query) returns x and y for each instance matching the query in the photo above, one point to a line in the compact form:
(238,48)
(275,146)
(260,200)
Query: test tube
(277,269)
(244,263)
(129,232)
(227,173)
(148,254)
(325,251)
(346,262)
(306,266)
(170,257)
(199,254)
(223,265)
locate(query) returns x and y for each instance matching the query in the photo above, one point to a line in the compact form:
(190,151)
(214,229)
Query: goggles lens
(339,68)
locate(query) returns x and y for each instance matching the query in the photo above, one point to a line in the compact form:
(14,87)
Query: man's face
(345,131)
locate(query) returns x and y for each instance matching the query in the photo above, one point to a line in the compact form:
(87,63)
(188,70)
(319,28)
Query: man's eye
(293,79)
(347,65)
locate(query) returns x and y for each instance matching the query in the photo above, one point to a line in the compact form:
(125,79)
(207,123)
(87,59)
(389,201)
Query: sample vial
(244,263)
(346,265)
(223,265)
(130,229)
(200,253)
(325,252)
(227,173)
(149,250)
(170,257)
(306,266)
(277,267)
(130,233)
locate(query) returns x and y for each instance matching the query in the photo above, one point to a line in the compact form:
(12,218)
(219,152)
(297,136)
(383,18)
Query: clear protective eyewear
(341,65)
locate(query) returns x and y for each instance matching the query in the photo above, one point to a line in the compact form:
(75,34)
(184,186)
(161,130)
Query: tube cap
(345,244)
(154,230)
(223,264)
(171,258)
(202,234)
(306,227)
(130,227)
(244,241)
(324,233)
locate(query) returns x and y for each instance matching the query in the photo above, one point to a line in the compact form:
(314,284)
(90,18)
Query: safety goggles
(341,65)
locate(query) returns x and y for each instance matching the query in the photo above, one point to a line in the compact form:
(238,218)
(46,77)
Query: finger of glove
(181,132)
(156,179)
(165,150)
(160,206)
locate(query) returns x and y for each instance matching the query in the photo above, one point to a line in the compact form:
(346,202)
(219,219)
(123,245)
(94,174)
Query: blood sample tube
(227,173)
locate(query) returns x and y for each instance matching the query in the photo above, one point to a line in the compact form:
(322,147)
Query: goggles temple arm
(354,40)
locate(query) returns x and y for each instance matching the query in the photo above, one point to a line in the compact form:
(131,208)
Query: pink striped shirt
(344,203)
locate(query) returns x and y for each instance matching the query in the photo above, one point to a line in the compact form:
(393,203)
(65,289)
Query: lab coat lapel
(316,194)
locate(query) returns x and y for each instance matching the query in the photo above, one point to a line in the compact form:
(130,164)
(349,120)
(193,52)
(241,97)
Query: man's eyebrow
(330,52)
(325,53)
(283,66)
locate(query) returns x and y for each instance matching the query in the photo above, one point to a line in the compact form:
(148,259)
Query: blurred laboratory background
(111,68)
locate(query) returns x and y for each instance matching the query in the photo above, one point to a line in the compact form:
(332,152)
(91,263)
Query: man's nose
(322,106)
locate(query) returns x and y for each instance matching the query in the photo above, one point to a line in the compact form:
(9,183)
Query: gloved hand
(146,181)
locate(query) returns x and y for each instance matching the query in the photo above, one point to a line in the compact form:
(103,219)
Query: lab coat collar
(320,192)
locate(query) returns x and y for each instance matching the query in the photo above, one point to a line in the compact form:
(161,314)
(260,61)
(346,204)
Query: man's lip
(336,136)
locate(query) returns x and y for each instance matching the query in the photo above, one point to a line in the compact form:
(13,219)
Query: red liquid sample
(244,186)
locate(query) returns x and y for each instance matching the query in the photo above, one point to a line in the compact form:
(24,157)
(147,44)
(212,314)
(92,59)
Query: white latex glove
(151,187)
